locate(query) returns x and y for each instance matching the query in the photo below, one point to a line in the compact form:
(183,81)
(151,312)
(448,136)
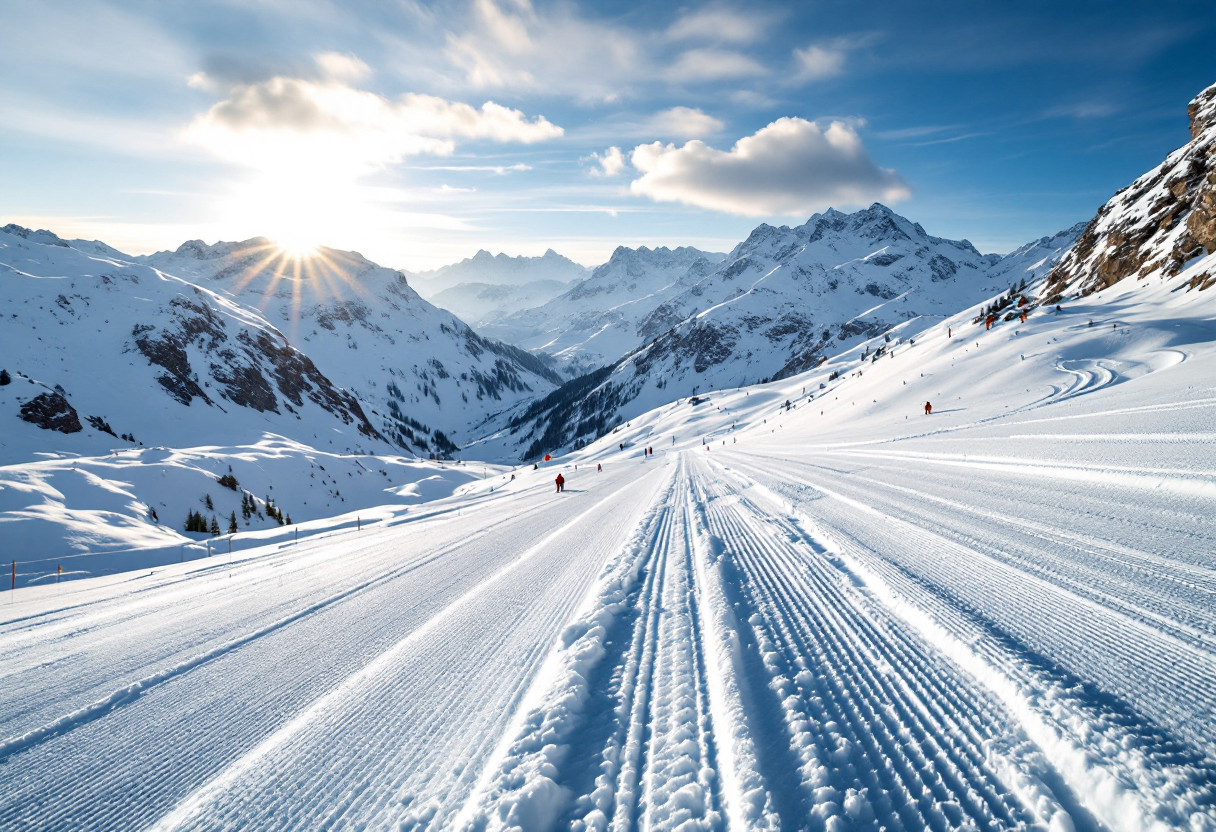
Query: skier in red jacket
(928,408)
(561,483)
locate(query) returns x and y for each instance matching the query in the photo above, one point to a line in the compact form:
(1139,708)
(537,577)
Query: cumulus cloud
(610,163)
(683,123)
(713,65)
(284,121)
(790,167)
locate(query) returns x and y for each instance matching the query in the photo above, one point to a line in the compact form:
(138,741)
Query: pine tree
(232,527)
(215,527)
(207,501)
(289,519)
(190,520)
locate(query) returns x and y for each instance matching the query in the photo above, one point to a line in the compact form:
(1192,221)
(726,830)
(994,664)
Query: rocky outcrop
(51,411)
(1157,225)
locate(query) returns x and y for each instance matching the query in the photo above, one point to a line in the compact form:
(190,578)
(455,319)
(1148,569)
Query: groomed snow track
(999,627)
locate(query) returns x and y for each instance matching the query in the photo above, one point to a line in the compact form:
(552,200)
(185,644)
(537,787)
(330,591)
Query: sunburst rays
(315,276)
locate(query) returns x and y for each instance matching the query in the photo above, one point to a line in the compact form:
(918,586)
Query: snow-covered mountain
(482,304)
(782,301)
(1158,226)
(596,321)
(100,352)
(424,377)
(499,269)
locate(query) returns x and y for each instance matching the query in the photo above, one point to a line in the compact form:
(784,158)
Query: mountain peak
(1202,111)
(40,236)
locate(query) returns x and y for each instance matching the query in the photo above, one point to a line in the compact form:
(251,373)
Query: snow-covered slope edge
(128,509)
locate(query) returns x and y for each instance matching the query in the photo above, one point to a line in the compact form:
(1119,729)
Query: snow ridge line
(746,799)
(1100,789)
(193,803)
(518,788)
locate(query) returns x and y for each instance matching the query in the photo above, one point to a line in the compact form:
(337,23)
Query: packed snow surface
(836,614)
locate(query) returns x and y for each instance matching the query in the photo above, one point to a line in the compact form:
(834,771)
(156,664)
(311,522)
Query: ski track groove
(1168,781)
(129,778)
(801,639)
(902,749)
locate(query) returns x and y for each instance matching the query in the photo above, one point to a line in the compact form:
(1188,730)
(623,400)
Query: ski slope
(839,615)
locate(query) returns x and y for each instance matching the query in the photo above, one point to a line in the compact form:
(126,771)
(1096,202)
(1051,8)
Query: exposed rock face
(241,369)
(1158,224)
(51,411)
(421,376)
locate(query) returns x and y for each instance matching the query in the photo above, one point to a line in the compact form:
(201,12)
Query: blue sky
(418,133)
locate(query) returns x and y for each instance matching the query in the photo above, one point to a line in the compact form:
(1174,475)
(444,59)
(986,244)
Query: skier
(599,468)
(561,483)
(928,408)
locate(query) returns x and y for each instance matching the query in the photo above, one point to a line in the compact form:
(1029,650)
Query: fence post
(58,572)
(358,523)
(230,544)
(297,528)
(14,575)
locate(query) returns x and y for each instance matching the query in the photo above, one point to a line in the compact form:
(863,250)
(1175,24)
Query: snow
(815,606)
(780,302)
(597,320)
(91,514)
(841,615)
(417,369)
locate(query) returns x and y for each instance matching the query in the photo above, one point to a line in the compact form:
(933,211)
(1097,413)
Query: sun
(296,247)
(297,214)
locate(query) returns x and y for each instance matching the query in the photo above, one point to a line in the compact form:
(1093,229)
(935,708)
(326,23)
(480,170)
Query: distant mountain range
(599,319)
(783,300)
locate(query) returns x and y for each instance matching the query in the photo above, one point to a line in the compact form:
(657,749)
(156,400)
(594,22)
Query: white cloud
(713,65)
(790,167)
(513,46)
(684,123)
(611,162)
(827,58)
(339,67)
(720,24)
(817,62)
(285,122)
